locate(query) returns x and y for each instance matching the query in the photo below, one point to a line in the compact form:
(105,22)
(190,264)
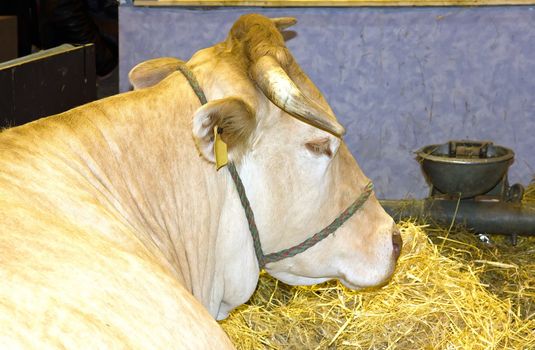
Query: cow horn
(283,22)
(284,93)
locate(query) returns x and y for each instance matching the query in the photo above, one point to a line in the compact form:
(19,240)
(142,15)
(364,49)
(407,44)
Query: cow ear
(235,120)
(151,72)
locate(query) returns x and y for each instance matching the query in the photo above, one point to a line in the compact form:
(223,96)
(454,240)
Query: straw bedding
(450,291)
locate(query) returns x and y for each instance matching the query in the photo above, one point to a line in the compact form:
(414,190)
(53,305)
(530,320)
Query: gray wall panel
(397,78)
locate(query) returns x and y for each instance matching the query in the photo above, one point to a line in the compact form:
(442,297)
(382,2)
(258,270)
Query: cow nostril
(397,243)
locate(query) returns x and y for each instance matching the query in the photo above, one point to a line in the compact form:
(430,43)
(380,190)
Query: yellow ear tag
(220,150)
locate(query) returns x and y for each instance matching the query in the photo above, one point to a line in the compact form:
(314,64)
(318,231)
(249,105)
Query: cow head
(286,142)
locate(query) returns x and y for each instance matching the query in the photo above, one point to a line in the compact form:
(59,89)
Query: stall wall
(397,78)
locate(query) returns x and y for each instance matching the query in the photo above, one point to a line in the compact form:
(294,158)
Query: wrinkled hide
(116,230)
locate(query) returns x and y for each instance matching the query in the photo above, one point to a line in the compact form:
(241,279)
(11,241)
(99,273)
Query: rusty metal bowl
(465,168)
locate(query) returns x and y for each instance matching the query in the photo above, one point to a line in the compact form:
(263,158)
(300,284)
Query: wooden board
(45,83)
(335,3)
(8,38)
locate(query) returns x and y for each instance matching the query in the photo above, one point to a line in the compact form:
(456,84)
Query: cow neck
(262,258)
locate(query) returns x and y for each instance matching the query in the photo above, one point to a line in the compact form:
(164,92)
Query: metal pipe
(480,216)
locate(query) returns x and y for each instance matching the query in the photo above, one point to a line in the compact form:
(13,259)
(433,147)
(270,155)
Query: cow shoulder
(65,287)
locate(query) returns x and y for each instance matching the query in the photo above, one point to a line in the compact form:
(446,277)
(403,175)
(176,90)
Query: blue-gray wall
(397,78)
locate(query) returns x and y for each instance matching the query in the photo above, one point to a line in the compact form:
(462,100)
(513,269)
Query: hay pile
(450,291)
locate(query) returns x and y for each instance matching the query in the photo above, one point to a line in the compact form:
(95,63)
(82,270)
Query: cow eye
(320,147)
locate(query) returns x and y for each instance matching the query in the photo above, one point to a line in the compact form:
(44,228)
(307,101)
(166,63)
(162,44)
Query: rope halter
(262,258)
(307,243)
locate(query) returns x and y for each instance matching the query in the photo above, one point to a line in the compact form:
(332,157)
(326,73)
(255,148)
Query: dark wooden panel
(8,38)
(49,82)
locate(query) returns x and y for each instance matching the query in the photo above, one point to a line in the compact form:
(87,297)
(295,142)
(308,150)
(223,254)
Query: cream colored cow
(116,230)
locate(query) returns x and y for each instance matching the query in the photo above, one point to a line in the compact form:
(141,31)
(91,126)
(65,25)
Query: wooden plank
(45,83)
(8,38)
(334,3)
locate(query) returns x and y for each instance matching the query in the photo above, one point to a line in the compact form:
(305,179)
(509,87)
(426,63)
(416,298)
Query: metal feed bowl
(465,168)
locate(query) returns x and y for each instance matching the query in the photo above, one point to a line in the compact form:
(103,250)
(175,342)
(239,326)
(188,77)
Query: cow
(118,231)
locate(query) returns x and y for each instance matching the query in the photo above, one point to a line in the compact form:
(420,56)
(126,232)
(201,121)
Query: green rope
(319,236)
(248,213)
(307,243)
(192,82)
